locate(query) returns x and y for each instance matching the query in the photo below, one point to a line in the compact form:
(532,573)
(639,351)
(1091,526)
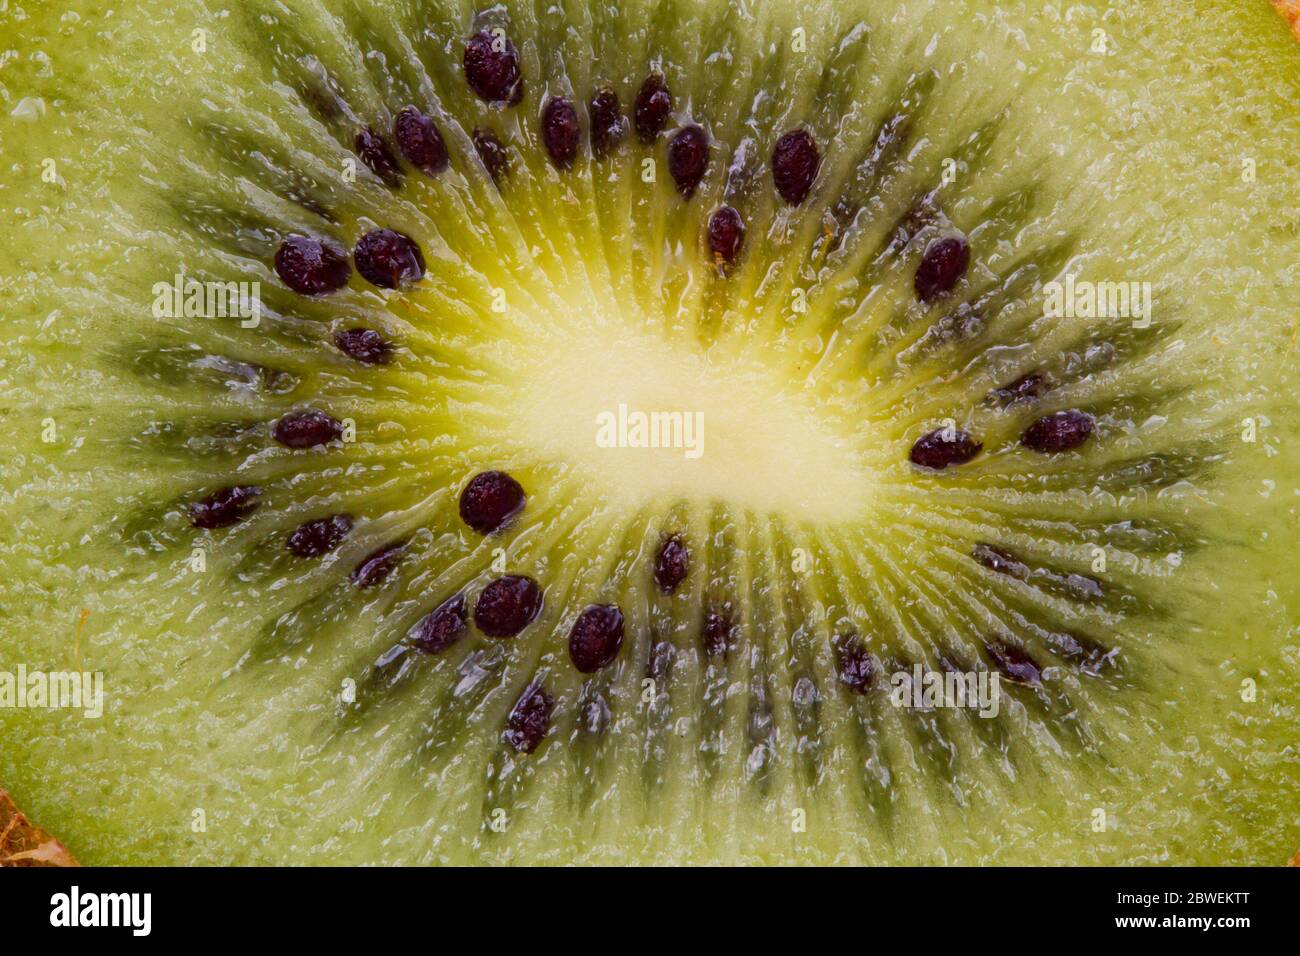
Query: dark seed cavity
(660,664)
(596,637)
(490,500)
(441,627)
(375,567)
(387,258)
(1084,587)
(608,124)
(1091,657)
(795,161)
(1013,662)
(944,263)
(379,159)
(492,153)
(530,719)
(963,324)
(672,563)
(943,447)
(492,68)
(1003,562)
(306,429)
(507,606)
(1058,432)
(224,507)
(1021,390)
(688,158)
(419,140)
(717,632)
(653,104)
(364,345)
(311,266)
(854,665)
(595,714)
(726,233)
(560,131)
(311,539)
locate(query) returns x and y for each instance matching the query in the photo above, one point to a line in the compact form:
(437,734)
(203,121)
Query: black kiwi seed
(608,124)
(311,539)
(306,429)
(1021,390)
(374,152)
(492,68)
(1013,662)
(311,266)
(688,158)
(854,665)
(364,345)
(441,627)
(492,152)
(378,565)
(944,263)
(596,637)
(386,258)
(717,631)
(560,131)
(224,507)
(419,140)
(726,233)
(650,111)
(490,500)
(671,564)
(529,719)
(1003,562)
(943,447)
(507,605)
(1060,431)
(795,161)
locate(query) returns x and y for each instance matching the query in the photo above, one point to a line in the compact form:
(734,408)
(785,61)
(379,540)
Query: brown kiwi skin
(1290,10)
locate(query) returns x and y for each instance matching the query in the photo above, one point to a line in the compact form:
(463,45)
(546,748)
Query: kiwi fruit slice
(547,433)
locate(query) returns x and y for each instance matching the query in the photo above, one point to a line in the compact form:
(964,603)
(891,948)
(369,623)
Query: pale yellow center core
(649,422)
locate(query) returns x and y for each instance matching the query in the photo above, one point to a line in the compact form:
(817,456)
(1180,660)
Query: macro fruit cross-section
(574,432)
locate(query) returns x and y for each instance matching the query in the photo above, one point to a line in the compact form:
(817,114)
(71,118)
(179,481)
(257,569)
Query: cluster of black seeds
(491,500)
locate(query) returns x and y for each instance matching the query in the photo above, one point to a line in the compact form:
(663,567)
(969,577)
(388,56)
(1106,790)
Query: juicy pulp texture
(310,667)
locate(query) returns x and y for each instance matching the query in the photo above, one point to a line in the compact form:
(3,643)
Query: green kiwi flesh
(909,462)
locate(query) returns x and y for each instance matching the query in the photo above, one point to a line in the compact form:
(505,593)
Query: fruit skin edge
(23,843)
(1290,11)
(16,828)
